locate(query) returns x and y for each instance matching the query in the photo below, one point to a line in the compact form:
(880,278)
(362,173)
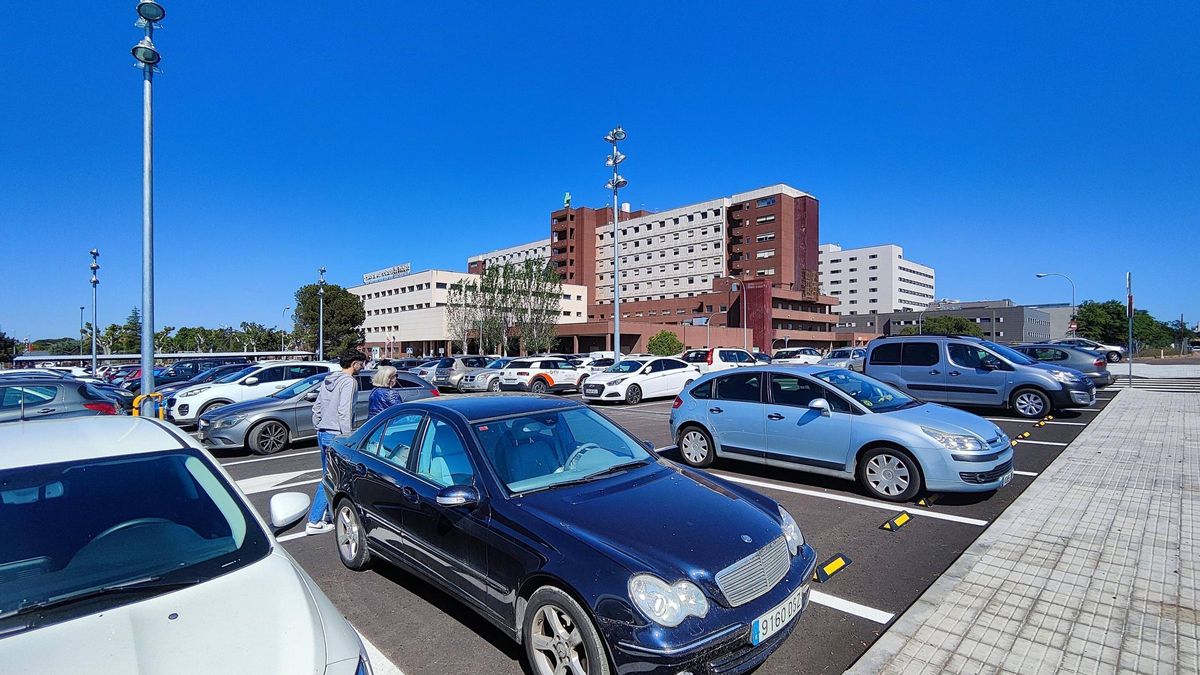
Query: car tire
(268,438)
(696,447)
(538,387)
(1114,357)
(351,536)
(1030,403)
(633,395)
(553,621)
(889,474)
(209,408)
(494,385)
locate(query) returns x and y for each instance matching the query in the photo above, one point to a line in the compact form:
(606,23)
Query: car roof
(32,443)
(489,406)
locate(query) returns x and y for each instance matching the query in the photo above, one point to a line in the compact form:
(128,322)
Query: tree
(537,293)
(944,325)
(462,312)
(343,315)
(8,347)
(665,343)
(496,298)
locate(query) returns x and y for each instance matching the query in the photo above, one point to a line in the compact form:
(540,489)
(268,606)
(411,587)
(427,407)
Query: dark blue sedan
(572,537)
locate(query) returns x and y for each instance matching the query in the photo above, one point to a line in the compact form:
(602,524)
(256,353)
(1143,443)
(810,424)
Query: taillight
(434,392)
(102,407)
(710,355)
(678,402)
(1101,364)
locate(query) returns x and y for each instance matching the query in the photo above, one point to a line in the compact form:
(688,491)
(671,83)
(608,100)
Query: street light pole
(81,307)
(321,314)
(617,182)
(1043,275)
(149,13)
(283,331)
(95,282)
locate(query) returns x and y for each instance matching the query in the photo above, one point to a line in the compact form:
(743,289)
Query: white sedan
(635,379)
(796,356)
(128,549)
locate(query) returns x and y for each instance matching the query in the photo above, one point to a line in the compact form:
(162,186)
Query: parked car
(407,364)
(186,406)
(51,372)
(450,370)
(1092,364)
(636,379)
(598,365)
(762,358)
(519,507)
(186,369)
(1114,353)
(47,397)
(718,358)
(425,370)
(117,374)
(214,373)
(974,372)
(541,376)
(486,378)
(133,379)
(127,548)
(796,356)
(118,395)
(848,358)
(839,423)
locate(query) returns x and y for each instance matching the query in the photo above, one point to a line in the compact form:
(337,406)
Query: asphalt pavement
(424,631)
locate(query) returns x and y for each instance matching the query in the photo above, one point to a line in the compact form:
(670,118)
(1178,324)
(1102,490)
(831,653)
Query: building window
(767,253)
(765,201)
(724,308)
(765,272)
(768,236)
(764,219)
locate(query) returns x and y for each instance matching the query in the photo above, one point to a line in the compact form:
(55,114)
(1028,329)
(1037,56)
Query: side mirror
(645,371)
(250,381)
(310,396)
(287,508)
(649,445)
(458,495)
(819,404)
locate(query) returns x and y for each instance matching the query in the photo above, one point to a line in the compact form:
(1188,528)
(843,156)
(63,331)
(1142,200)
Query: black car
(576,540)
(186,369)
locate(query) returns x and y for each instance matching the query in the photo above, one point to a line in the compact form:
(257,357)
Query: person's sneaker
(318,528)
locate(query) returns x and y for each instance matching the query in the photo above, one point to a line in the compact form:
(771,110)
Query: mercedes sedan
(571,536)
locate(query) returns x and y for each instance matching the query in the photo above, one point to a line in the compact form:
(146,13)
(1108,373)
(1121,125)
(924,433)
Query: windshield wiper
(143,585)
(615,468)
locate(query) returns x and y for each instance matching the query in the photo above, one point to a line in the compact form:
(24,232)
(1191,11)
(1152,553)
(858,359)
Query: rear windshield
(696,356)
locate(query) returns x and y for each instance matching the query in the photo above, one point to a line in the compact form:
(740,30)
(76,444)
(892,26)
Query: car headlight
(953,441)
(791,531)
(665,604)
(230,421)
(1064,377)
(615,382)
(193,392)
(364,665)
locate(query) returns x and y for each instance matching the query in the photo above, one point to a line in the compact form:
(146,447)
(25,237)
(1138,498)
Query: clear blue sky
(992,141)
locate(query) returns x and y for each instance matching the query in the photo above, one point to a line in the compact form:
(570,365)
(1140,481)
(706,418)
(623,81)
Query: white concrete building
(534,250)
(409,311)
(874,279)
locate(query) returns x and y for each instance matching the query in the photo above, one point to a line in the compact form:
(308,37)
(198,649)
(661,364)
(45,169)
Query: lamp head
(151,11)
(1041,275)
(95,253)
(614,159)
(145,53)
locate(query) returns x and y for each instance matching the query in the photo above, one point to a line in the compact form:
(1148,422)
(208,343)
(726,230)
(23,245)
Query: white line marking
(267,459)
(275,481)
(1032,423)
(380,664)
(853,500)
(868,613)
(289,537)
(1023,441)
(1024,473)
(1083,409)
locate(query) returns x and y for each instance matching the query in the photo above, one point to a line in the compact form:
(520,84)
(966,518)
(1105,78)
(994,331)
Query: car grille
(981,477)
(755,574)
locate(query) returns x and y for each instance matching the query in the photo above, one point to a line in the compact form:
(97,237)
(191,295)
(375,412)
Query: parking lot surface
(424,631)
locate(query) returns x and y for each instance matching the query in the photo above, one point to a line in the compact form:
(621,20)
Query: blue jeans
(320,506)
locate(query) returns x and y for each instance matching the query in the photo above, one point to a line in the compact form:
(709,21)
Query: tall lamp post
(95,282)
(81,308)
(321,314)
(1043,275)
(615,184)
(149,14)
(283,331)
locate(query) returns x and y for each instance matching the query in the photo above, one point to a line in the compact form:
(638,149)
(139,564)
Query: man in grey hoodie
(333,415)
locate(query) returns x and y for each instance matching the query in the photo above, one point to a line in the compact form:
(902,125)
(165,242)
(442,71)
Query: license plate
(592,390)
(1007,479)
(779,617)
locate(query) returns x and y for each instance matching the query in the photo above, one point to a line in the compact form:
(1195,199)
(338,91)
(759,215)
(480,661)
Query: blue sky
(991,140)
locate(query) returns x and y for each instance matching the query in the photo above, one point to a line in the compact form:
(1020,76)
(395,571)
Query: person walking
(385,394)
(333,415)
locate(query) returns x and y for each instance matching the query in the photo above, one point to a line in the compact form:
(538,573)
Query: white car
(127,549)
(635,379)
(261,379)
(719,358)
(796,355)
(541,375)
(845,357)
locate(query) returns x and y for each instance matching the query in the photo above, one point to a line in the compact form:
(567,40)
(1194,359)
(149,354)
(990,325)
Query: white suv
(541,375)
(796,355)
(719,358)
(261,379)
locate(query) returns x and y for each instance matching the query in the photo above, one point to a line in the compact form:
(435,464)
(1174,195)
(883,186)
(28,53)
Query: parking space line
(851,500)
(1056,444)
(868,613)
(265,459)
(1032,422)
(1084,409)
(1024,473)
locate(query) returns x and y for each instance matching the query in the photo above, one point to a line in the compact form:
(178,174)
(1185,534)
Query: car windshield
(628,366)
(1009,353)
(872,393)
(87,535)
(538,451)
(497,364)
(235,376)
(205,375)
(839,354)
(300,387)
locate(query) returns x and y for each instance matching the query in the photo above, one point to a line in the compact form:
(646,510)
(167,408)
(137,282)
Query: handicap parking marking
(862,611)
(887,506)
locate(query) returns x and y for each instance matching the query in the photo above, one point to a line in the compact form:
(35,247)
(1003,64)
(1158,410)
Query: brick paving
(1091,570)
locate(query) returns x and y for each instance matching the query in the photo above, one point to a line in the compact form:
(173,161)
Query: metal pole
(147,379)
(283,331)
(81,329)
(745,333)
(95,282)
(321,315)
(616,267)
(1129,311)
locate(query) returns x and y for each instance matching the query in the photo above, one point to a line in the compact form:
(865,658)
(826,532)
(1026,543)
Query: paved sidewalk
(1092,570)
(1163,370)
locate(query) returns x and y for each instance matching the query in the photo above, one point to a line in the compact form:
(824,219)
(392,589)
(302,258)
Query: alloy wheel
(888,474)
(633,395)
(494,385)
(272,437)
(694,446)
(347,533)
(1030,404)
(557,643)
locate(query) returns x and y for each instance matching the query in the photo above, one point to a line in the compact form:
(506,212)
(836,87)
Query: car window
(793,390)
(702,391)
(442,457)
(475,362)
(1048,354)
(696,356)
(886,354)
(969,356)
(11,397)
(868,391)
(520,364)
(919,354)
(839,354)
(409,382)
(297,372)
(740,387)
(271,374)
(658,365)
(364,383)
(393,440)
(672,364)
(836,402)
(728,355)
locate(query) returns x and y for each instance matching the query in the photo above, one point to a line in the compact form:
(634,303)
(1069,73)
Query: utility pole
(95,282)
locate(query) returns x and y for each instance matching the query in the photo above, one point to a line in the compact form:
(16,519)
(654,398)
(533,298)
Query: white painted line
(274,481)
(1023,441)
(1084,409)
(1031,423)
(852,500)
(267,459)
(868,613)
(380,664)
(1024,473)
(295,535)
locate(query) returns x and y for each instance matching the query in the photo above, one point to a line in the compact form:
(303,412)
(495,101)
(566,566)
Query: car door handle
(955,373)
(935,372)
(774,416)
(715,410)
(410,494)
(43,411)
(360,469)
